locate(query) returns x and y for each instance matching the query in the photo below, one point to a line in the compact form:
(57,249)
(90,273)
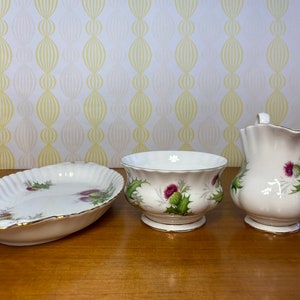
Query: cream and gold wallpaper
(94,80)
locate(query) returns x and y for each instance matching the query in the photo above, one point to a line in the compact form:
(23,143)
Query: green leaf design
(218,196)
(5,215)
(175,198)
(179,200)
(100,197)
(183,205)
(34,186)
(292,170)
(172,210)
(297,188)
(132,187)
(237,182)
(296,170)
(97,196)
(181,208)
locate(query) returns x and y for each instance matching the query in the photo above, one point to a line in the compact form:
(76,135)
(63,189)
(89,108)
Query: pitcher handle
(262,118)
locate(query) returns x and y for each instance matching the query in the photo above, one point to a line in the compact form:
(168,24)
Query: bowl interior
(174,160)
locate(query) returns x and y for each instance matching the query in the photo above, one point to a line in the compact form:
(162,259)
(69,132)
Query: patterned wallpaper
(94,80)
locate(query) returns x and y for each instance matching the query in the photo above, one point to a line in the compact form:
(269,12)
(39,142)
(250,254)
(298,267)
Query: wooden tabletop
(119,257)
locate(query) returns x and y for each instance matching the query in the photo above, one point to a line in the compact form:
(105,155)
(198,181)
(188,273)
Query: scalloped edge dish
(48,203)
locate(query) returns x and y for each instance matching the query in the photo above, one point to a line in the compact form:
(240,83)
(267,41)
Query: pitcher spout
(264,140)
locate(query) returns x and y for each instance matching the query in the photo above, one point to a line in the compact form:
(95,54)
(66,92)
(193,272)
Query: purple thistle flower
(288,169)
(31,189)
(170,190)
(5,214)
(84,199)
(214,180)
(88,192)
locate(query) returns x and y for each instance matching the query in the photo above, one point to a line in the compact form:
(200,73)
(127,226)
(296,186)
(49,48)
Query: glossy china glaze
(267,186)
(45,204)
(174,189)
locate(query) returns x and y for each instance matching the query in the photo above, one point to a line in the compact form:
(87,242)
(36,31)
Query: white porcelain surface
(174,189)
(48,203)
(173,228)
(267,186)
(272,229)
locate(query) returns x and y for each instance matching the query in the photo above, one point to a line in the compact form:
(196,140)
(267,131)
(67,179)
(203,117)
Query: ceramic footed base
(272,229)
(174,228)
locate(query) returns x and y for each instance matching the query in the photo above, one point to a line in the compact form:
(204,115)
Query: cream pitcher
(267,186)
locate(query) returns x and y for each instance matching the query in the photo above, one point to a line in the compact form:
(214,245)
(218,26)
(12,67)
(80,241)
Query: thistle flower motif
(96,196)
(5,215)
(292,170)
(35,185)
(177,197)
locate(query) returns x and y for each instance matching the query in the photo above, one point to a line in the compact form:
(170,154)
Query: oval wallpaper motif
(96,80)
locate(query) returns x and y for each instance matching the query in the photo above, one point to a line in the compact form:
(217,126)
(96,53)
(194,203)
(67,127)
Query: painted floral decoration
(35,186)
(293,170)
(178,198)
(217,195)
(237,182)
(131,190)
(8,215)
(176,195)
(96,196)
(5,215)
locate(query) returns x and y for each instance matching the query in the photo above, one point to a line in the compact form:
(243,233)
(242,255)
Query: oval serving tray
(45,204)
